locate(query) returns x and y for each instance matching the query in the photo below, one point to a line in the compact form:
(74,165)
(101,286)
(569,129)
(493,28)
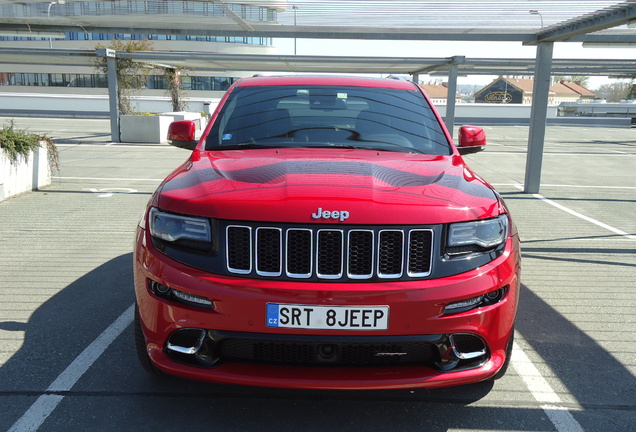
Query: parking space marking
(520,187)
(106,178)
(601,153)
(581,216)
(109,192)
(118,145)
(33,418)
(541,390)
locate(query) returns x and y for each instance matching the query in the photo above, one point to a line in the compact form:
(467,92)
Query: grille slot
(239,249)
(420,244)
(360,254)
(390,256)
(329,254)
(269,259)
(299,253)
(325,253)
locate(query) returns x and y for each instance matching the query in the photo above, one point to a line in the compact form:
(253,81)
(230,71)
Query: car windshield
(328,116)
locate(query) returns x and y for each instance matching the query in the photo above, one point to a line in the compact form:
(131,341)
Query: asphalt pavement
(67,359)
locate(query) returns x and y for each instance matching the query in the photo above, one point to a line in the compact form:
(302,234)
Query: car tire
(140,345)
(504,368)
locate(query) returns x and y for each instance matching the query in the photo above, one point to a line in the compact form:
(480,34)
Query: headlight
(485,233)
(185,230)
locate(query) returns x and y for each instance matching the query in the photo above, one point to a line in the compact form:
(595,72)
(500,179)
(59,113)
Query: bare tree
(131,75)
(614,92)
(579,79)
(173,78)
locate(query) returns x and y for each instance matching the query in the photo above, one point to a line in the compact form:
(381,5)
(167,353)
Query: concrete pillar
(449,119)
(538,117)
(113,98)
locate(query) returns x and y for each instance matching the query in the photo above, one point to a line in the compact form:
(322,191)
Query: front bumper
(239,313)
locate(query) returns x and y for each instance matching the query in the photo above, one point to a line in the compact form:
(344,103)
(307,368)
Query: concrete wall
(495,111)
(96,106)
(83,105)
(27,174)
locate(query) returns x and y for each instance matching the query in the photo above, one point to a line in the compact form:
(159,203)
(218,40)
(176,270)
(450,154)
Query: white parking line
(45,404)
(560,417)
(581,216)
(548,153)
(106,178)
(520,187)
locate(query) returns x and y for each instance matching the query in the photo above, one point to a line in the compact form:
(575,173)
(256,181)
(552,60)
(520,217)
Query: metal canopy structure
(200,61)
(532,22)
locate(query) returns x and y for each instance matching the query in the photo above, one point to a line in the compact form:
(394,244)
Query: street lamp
(48,15)
(295,8)
(536,12)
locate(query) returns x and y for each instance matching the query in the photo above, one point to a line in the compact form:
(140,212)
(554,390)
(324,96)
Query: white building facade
(53,79)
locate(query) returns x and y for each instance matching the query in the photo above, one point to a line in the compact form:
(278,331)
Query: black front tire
(504,368)
(140,345)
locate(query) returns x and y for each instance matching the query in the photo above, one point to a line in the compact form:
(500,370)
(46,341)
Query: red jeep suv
(325,233)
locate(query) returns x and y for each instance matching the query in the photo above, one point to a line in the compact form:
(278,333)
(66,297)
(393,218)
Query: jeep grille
(329,253)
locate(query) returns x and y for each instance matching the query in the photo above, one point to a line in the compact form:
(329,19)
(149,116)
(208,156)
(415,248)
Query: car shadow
(591,374)
(130,399)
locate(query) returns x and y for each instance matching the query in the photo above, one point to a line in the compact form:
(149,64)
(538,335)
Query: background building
(87,80)
(568,91)
(438,93)
(519,91)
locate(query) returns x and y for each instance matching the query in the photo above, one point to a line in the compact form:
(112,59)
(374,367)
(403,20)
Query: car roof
(327,81)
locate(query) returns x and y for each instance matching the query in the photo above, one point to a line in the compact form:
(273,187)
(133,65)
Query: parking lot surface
(67,359)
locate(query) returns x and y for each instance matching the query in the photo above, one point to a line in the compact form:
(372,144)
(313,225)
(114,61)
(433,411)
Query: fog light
(493,295)
(160,289)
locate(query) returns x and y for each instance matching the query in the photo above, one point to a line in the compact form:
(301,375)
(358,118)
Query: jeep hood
(289,185)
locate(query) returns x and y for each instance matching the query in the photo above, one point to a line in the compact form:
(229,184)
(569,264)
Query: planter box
(24,175)
(144,129)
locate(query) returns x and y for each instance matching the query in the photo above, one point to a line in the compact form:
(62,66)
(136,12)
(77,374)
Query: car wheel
(504,368)
(140,345)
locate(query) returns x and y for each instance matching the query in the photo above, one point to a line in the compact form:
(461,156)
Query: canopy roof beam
(603,19)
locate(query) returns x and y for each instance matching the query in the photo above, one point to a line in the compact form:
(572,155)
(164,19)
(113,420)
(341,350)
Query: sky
(573,50)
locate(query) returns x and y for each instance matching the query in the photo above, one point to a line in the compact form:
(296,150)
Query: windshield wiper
(243,146)
(330,145)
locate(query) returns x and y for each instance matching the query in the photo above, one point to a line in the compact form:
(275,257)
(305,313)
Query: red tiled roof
(579,89)
(563,88)
(435,91)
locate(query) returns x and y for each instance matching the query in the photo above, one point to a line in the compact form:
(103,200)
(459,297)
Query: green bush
(18,143)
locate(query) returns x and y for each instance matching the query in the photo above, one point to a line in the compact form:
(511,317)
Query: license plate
(328,317)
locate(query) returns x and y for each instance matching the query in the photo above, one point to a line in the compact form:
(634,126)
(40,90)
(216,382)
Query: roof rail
(400,78)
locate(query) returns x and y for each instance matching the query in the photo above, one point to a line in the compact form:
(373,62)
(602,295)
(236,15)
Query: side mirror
(472,139)
(181,134)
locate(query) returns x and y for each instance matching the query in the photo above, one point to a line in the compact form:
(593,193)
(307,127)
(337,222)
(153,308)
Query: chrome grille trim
(329,253)
(264,268)
(232,250)
(387,250)
(324,254)
(351,254)
(425,270)
(303,258)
